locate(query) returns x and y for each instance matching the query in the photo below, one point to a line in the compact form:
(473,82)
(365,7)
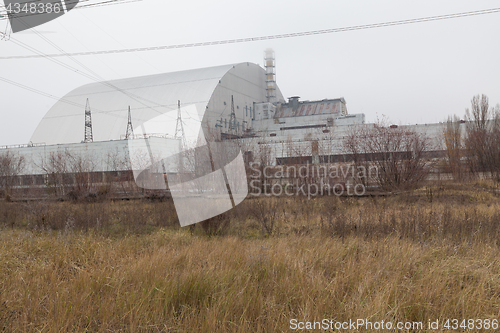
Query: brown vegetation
(127,266)
(98,265)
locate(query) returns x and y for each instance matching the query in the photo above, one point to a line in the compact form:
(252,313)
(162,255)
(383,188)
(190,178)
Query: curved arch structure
(208,91)
(209,175)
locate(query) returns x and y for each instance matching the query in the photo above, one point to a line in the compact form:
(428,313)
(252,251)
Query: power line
(39,92)
(265,38)
(36,91)
(97,78)
(20,85)
(93,76)
(113,38)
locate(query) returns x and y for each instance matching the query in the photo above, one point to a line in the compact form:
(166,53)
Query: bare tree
(476,140)
(55,165)
(357,151)
(265,212)
(118,173)
(482,140)
(479,113)
(261,159)
(82,166)
(11,165)
(69,173)
(397,153)
(452,136)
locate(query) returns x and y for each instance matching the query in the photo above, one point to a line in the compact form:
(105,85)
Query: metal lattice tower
(179,127)
(88,123)
(130,129)
(232,120)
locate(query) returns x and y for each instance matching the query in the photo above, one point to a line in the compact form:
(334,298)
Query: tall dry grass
(406,258)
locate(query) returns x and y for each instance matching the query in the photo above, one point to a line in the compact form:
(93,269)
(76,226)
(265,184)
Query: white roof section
(148,97)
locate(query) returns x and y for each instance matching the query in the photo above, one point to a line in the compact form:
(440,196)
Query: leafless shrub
(397,153)
(36,214)
(357,151)
(71,174)
(164,214)
(265,211)
(217,225)
(261,160)
(482,141)
(82,167)
(55,166)
(11,165)
(335,223)
(452,136)
(9,214)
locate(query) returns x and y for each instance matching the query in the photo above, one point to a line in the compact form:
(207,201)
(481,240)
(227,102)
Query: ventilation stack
(270,65)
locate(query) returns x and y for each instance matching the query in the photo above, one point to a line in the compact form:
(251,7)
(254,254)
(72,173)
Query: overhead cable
(264,38)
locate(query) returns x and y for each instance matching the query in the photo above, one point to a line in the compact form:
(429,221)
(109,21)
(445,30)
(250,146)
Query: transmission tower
(130,129)
(88,123)
(179,127)
(232,120)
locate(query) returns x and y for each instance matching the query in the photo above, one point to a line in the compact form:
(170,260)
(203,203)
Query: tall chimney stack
(270,66)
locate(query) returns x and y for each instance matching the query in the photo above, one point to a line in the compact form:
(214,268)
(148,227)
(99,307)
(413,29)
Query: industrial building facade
(184,111)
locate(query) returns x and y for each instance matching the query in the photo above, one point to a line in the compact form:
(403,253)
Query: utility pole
(130,129)
(88,123)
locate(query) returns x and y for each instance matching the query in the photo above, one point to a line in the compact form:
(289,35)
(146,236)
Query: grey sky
(418,73)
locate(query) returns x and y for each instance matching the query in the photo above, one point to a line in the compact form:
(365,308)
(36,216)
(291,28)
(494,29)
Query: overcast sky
(418,73)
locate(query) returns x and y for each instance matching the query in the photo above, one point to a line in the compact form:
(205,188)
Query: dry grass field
(126,266)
